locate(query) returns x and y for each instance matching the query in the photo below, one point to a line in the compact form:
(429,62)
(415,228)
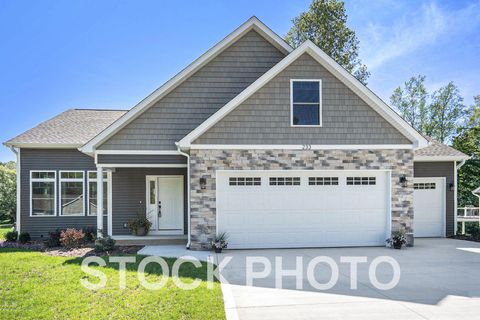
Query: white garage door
(429,207)
(284,209)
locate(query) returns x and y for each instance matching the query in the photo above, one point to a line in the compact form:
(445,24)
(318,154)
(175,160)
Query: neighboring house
(279,147)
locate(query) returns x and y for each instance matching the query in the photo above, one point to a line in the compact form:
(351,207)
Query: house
(278,147)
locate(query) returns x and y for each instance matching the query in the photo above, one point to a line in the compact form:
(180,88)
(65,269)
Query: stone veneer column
(204,164)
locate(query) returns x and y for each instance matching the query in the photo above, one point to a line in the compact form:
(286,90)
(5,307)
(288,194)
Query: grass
(34,285)
(3,231)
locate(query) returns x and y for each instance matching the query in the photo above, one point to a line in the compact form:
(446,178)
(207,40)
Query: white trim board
(139,152)
(251,24)
(298,146)
(153,165)
(321,57)
(439,158)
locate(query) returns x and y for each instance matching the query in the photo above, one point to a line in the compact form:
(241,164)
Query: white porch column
(99,202)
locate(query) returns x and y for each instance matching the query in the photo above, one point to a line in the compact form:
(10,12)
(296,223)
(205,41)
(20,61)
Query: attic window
(306,103)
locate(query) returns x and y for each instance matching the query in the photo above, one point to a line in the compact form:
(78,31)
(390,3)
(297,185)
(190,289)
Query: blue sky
(56,55)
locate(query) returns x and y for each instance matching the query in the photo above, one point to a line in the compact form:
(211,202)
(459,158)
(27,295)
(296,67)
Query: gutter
(188,193)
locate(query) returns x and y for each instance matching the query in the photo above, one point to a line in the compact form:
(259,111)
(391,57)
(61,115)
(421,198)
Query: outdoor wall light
(403,180)
(451,186)
(203,183)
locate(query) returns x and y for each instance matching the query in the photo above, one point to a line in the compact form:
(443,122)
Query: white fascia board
(252,23)
(439,158)
(152,165)
(299,147)
(139,152)
(350,81)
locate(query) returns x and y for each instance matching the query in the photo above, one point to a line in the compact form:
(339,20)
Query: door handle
(159,208)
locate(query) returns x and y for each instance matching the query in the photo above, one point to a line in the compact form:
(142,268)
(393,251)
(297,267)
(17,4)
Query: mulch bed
(85,251)
(468,238)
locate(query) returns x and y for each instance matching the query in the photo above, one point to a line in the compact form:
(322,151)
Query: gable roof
(70,129)
(251,24)
(321,57)
(437,151)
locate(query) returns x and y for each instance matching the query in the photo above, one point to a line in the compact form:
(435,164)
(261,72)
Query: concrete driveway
(440,279)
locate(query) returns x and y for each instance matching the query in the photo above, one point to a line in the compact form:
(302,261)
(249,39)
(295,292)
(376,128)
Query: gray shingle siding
(198,97)
(129,194)
(264,118)
(140,159)
(440,169)
(51,159)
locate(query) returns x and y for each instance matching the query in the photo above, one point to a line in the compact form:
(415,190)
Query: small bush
(104,244)
(72,238)
(472,229)
(11,236)
(90,234)
(24,237)
(53,239)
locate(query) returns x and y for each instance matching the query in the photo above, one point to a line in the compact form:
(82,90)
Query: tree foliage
(325,24)
(468,141)
(8,187)
(438,115)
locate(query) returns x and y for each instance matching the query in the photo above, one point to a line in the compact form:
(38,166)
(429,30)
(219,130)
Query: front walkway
(440,279)
(177,251)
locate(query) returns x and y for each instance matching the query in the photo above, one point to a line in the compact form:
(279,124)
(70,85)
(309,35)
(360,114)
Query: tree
(474,113)
(325,24)
(8,187)
(411,102)
(447,112)
(468,141)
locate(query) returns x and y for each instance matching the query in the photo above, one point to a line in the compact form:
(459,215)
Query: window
(323,181)
(424,186)
(306,103)
(92,193)
(285,181)
(43,191)
(72,201)
(356,181)
(245,181)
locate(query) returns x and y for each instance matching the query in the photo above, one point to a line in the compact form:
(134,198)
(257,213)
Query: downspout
(188,192)
(455,200)
(17,154)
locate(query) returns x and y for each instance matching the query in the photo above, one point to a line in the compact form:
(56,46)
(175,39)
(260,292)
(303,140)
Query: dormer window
(306,103)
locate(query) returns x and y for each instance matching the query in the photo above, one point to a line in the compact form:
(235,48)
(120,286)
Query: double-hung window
(43,190)
(72,200)
(306,103)
(92,193)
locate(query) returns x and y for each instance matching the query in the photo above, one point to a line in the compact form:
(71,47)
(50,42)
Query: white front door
(310,208)
(165,204)
(429,207)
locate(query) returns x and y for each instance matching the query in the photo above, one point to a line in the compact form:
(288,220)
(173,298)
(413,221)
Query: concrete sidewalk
(440,279)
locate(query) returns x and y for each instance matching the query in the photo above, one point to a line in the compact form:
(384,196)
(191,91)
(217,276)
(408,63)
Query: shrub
(11,236)
(472,229)
(138,224)
(104,244)
(24,237)
(72,238)
(90,234)
(53,239)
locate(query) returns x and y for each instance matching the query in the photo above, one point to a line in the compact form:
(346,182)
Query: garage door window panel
(284,181)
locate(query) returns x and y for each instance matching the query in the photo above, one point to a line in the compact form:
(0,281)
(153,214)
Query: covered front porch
(152,186)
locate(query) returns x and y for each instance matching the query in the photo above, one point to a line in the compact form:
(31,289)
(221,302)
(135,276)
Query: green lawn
(36,286)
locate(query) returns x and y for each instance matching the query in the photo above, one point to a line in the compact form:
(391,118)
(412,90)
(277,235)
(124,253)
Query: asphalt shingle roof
(437,149)
(72,127)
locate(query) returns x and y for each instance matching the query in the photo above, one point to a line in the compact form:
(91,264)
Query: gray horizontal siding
(197,98)
(52,159)
(441,169)
(140,159)
(129,194)
(264,118)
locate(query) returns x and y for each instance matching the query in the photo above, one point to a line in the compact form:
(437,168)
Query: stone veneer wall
(204,163)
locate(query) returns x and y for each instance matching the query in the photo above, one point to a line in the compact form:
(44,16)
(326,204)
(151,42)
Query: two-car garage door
(284,209)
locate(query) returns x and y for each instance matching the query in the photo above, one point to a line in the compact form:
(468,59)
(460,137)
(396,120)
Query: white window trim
(60,180)
(54,180)
(319,81)
(107,180)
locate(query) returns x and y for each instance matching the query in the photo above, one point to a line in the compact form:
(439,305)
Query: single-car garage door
(285,209)
(429,207)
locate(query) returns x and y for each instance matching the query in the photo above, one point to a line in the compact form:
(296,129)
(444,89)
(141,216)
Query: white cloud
(412,31)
